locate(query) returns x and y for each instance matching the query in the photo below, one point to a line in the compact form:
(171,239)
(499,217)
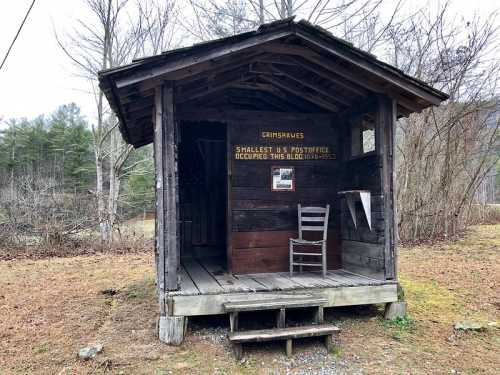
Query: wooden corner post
(384,139)
(171,328)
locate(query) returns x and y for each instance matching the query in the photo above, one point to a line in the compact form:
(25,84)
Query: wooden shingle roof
(282,66)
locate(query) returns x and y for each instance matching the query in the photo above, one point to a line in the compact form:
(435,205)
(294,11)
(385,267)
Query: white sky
(38,77)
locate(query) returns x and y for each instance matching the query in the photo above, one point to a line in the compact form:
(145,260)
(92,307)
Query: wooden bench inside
(288,334)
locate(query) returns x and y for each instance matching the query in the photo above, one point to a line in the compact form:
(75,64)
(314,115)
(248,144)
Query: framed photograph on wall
(282,178)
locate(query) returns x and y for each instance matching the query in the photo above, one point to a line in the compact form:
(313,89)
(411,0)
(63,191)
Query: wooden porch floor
(201,277)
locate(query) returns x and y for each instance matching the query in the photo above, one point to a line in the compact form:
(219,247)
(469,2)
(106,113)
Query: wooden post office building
(245,129)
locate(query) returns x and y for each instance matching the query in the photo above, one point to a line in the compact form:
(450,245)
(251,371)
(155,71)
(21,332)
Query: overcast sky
(38,77)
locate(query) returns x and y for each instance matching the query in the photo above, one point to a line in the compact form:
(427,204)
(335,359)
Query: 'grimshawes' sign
(271,134)
(282,152)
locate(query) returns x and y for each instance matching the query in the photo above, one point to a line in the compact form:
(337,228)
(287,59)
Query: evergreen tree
(70,146)
(138,190)
(58,148)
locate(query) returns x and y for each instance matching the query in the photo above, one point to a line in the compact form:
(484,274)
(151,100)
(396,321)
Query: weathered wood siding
(362,248)
(364,251)
(263,220)
(167,193)
(202,176)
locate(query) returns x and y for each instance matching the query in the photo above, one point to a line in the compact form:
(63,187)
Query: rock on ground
(89,352)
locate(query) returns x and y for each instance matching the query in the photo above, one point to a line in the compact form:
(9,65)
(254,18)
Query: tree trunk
(261,12)
(114,178)
(101,208)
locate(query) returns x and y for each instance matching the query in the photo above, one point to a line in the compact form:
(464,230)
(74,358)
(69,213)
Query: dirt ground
(50,308)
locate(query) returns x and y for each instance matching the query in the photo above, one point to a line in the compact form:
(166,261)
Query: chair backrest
(313,219)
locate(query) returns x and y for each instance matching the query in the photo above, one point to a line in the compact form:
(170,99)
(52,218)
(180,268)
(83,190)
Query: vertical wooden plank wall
(167,198)
(202,179)
(159,197)
(171,192)
(371,252)
(384,137)
(362,247)
(264,220)
(229,221)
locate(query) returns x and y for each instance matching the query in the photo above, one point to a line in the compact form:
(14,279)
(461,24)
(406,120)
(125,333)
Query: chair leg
(290,244)
(323,258)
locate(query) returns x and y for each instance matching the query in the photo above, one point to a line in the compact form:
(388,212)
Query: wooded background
(67,173)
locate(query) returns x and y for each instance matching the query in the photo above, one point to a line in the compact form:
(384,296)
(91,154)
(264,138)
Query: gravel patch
(309,358)
(215,335)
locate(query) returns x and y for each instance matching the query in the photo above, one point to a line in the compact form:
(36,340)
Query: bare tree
(444,153)
(358,21)
(119,31)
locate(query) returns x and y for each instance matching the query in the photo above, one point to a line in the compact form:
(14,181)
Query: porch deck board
(252,284)
(204,280)
(199,277)
(226,280)
(360,278)
(311,280)
(187,283)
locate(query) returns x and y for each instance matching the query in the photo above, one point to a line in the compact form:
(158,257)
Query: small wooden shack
(247,127)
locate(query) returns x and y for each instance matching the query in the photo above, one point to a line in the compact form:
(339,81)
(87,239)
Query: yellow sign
(288,152)
(281,135)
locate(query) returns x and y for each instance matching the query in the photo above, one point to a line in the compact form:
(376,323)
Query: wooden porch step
(258,305)
(260,335)
(288,334)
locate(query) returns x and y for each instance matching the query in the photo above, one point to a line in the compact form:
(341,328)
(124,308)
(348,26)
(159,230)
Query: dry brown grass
(444,283)
(49,308)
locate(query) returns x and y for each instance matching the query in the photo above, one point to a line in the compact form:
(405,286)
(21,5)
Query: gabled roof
(283,65)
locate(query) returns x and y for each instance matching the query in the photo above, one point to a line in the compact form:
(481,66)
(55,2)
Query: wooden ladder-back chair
(311,219)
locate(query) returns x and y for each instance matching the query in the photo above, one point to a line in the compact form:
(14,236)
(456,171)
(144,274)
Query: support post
(319,315)
(384,139)
(171,328)
(233,321)
(289,347)
(395,310)
(329,343)
(280,318)
(238,351)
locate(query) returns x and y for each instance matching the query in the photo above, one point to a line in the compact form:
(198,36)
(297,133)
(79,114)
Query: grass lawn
(50,308)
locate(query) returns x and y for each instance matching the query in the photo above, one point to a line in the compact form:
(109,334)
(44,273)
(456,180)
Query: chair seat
(306,242)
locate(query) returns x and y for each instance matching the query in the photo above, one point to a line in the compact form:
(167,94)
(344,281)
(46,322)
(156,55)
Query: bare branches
(158,21)
(118,31)
(40,212)
(446,152)
(216,19)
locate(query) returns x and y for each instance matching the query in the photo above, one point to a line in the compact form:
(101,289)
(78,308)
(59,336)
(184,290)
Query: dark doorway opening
(203,191)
